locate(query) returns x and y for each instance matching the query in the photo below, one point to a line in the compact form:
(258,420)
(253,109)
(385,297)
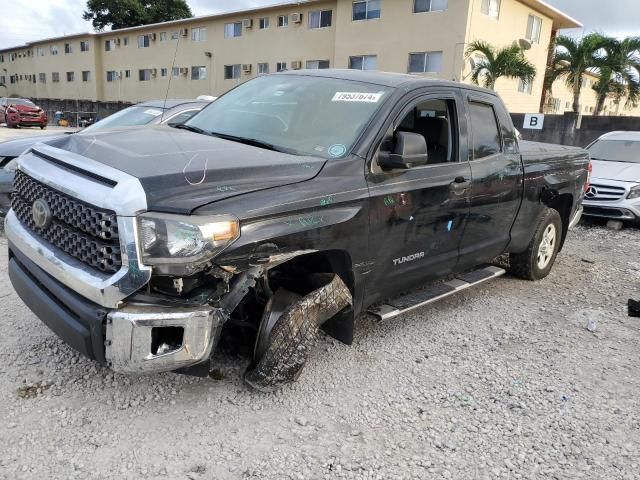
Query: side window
(484,127)
(436,121)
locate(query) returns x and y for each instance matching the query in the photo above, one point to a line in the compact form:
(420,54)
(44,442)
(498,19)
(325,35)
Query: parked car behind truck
(614,192)
(297,200)
(20,112)
(154,112)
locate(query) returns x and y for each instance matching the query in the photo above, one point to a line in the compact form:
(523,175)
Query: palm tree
(495,63)
(620,72)
(572,59)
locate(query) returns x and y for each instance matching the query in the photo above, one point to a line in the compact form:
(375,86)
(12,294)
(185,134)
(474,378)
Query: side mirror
(410,151)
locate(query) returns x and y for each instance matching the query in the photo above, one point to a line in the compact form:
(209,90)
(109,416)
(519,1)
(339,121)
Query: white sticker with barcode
(357,97)
(153,112)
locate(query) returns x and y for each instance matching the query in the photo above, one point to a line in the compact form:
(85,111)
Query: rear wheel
(536,262)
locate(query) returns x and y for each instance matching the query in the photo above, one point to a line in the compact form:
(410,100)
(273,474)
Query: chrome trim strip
(102,289)
(129,337)
(127,198)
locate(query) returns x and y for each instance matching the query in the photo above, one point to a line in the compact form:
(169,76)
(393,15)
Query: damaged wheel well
(294,275)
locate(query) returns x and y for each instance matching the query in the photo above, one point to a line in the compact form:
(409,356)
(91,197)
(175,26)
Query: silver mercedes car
(614,192)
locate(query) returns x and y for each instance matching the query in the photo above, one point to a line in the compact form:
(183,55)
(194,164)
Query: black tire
(536,262)
(294,334)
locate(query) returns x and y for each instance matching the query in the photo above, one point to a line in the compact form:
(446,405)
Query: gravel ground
(508,380)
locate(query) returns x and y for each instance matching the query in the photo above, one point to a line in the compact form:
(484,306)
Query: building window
(283,21)
(53,49)
(86,76)
(263,68)
(164,72)
(317,64)
(534,27)
(109,45)
(232,71)
(198,73)
(232,30)
(42,77)
(125,40)
(144,75)
(425,62)
(264,23)
(71,76)
(525,87)
(175,72)
(84,46)
(366,10)
(127,74)
(281,66)
(40,51)
(491,8)
(320,19)
(199,34)
(1,59)
(422,6)
(68,48)
(175,35)
(55,77)
(163,36)
(112,76)
(143,41)
(363,62)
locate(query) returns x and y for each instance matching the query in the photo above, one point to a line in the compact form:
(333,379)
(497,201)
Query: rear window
(486,137)
(616,151)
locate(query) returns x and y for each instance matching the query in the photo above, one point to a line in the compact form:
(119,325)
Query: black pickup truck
(295,202)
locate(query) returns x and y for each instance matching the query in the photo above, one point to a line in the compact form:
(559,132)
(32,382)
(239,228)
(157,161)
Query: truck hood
(181,171)
(621,171)
(14,148)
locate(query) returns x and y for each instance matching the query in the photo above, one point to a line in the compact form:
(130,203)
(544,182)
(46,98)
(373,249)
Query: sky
(28,20)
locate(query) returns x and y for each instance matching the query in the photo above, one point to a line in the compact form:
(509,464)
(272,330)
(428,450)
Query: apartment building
(217,52)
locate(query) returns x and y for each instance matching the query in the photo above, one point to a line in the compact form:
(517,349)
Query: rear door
(418,214)
(497,176)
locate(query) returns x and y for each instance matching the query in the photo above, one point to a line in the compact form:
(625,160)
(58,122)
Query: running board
(411,301)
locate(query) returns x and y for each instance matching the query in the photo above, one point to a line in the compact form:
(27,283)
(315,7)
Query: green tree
(572,59)
(619,73)
(495,63)
(130,13)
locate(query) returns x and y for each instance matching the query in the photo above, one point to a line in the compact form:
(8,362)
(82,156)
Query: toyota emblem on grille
(41,213)
(592,192)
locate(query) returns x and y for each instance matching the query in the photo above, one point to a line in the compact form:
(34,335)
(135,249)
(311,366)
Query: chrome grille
(83,231)
(605,193)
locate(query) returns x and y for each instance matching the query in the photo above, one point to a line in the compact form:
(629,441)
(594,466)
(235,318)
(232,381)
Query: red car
(19,112)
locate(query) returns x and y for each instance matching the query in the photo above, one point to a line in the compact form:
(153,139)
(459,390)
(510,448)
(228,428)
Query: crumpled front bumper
(126,339)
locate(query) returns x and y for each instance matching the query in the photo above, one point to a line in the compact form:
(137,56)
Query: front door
(418,214)
(496,191)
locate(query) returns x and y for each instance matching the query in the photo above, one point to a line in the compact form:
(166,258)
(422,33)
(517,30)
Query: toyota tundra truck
(294,203)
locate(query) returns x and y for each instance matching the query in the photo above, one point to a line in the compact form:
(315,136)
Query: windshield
(128,117)
(20,101)
(616,151)
(305,115)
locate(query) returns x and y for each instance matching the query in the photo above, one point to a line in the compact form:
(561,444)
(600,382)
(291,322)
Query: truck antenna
(170,75)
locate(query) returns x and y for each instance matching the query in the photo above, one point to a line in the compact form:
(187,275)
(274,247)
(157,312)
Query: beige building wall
(397,33)
(510,26)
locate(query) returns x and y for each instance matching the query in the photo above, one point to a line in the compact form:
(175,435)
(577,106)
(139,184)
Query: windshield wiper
(250,141)
(191,128)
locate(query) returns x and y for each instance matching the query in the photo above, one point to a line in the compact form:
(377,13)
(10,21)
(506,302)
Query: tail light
(589,172)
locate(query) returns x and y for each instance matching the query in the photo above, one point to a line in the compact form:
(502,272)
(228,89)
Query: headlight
(634,193)
(187,240)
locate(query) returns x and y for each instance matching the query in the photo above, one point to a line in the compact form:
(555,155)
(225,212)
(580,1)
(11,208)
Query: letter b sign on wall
(533,121)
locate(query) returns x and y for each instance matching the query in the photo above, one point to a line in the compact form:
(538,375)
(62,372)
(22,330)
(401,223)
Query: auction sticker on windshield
(357,97)
(155,113)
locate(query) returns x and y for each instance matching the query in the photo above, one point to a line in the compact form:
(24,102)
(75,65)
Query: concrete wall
(567,129)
